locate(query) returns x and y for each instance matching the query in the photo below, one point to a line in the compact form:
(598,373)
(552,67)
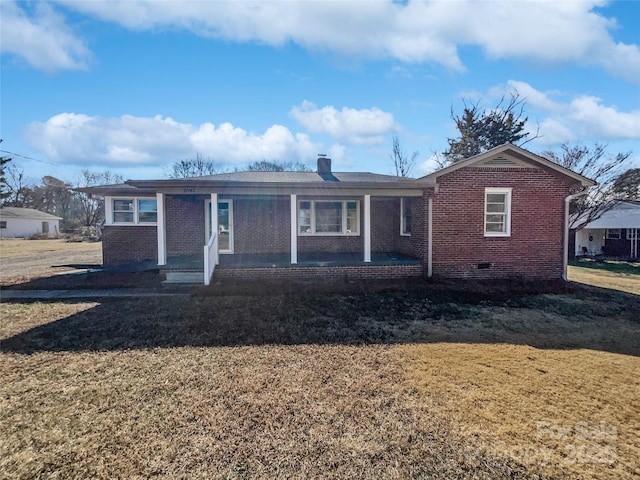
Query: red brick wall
(127,244)
(262,224)
(535,247)
(385,223)
(416,244)
(343,271)
(184,224)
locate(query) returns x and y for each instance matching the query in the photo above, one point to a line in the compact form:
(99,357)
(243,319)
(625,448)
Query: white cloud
(431,164)
(348,125)
(128,140)
(412,32)
(42,39)
(583,117)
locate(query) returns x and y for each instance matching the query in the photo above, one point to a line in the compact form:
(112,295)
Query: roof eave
(518,151)
(159,185)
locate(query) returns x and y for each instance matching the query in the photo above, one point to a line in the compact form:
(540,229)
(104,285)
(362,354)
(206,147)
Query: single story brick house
(500,214)
(25,222)
(613,232)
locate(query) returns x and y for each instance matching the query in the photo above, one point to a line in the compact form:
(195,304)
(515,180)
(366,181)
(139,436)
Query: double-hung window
(405,217)
(133,211)
(329,217)
(497,212)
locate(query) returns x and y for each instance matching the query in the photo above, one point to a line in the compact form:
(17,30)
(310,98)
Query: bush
(40,236)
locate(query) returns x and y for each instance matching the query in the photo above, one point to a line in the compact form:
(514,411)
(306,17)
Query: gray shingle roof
(293,177)
(25,214)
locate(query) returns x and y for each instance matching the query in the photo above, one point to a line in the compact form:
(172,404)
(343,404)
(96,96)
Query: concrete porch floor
(319,259)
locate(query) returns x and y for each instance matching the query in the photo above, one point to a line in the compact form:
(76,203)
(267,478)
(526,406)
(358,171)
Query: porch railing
(210,258)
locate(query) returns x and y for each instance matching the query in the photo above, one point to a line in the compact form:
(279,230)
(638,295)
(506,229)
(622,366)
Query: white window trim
(108,206)
(403,233)
(344,232)
(507,219)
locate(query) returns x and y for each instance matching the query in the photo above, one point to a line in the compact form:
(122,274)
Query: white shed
(24,222)
(615,232)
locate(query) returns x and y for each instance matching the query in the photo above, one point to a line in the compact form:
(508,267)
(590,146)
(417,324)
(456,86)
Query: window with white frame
(3,224)
(497,212)
(329,217)
(405,217)
(134,211)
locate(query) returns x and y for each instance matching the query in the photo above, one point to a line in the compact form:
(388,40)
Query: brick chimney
(324,166)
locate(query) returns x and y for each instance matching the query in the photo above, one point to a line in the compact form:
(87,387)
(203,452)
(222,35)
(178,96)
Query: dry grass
(380,385)
(23,260)
(512,399)
(623,281)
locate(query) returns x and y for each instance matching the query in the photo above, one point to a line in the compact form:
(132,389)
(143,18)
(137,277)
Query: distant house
(613,233)
(500,214)
(25,222)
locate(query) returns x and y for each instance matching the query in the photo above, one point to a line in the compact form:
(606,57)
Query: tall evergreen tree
(4,190)
(481,130)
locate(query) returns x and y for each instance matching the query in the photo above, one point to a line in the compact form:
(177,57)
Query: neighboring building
(613,233)
(501,214)
(25,222)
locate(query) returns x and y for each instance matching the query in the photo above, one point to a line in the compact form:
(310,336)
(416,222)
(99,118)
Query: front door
(225,225)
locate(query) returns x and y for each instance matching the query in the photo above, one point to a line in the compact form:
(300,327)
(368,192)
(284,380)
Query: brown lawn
(623,281)
(23,260)
(419,383)
(405,380)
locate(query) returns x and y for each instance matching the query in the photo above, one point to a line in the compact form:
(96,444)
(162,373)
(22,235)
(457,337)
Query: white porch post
(367,228)
(214,225)
(161,229)
(294,229)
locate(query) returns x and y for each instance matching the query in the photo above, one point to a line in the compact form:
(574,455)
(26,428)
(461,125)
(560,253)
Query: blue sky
(131,86)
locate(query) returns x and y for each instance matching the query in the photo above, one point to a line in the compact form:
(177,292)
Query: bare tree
(194,167)
(402,162)
(594,163)
(4,190)
(19,190)
(90,209)
(267,166)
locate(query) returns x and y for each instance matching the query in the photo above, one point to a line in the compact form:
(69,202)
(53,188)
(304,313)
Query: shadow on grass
(582,317)
(112,278)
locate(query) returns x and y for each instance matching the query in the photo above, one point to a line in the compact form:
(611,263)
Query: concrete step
(184,278)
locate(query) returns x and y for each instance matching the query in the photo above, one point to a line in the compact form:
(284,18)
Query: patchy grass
(621,276)
(24,260)
(388,384)
(618,266)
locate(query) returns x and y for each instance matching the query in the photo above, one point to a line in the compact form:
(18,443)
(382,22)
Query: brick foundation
(325,272)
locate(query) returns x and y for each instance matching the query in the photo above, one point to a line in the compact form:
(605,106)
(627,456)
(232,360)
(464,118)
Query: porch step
(184,277)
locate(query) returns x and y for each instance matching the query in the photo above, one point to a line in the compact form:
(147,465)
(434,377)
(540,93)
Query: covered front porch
(258,231)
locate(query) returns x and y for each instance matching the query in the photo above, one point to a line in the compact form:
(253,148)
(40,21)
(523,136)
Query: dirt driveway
(22,260)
